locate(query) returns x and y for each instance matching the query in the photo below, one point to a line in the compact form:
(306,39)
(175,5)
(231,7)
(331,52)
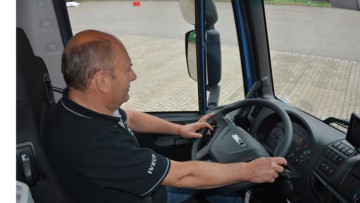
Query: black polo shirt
(98,159)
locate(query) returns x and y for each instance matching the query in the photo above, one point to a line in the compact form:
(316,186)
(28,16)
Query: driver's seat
(34,99)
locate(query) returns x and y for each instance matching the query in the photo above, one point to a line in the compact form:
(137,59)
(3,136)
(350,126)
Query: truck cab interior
(278,84)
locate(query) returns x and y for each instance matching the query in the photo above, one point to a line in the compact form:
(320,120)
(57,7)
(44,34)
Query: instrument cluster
(300,151)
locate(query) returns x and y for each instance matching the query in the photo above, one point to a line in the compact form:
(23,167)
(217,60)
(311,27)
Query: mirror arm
(213,99)
(256,85)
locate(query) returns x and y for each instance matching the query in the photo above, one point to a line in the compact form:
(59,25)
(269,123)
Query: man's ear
(101,81)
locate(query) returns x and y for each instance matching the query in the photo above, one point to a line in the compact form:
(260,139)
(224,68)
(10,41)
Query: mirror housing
(213,63)
(213,56)
(187,8)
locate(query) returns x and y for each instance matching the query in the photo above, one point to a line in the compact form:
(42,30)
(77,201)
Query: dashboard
(326,166)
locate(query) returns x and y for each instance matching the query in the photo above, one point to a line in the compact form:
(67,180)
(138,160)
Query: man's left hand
(190,130)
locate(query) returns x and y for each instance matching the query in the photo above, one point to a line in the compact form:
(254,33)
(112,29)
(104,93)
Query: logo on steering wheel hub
(238,139)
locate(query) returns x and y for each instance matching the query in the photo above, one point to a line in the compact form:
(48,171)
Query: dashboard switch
(327,169)
(349,152)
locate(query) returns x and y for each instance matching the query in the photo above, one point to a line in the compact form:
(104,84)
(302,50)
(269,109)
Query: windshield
(315,54)
(153,33)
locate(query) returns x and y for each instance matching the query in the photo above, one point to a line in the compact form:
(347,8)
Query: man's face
(122,74)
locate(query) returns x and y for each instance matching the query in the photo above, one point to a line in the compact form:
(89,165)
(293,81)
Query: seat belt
(147,200)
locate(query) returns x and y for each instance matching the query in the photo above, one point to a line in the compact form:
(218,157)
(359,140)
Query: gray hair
(81,62)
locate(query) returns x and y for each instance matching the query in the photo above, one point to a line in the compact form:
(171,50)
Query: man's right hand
(266,169)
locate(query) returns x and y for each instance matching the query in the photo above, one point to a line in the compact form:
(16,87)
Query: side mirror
(213,63)
(213,47)
(190,51)
(213,56)
(346,4)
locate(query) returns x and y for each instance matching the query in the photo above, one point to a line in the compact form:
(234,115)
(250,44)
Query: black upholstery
(34,100)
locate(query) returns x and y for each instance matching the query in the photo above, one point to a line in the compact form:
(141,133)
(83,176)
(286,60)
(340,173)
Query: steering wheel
(230,143)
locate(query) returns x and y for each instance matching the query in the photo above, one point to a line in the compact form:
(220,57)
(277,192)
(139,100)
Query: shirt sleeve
(116,162)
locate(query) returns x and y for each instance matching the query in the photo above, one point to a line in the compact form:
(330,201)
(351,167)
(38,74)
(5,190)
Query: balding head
(88,52)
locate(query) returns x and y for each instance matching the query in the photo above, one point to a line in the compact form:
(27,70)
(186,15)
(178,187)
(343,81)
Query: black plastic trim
(63,20)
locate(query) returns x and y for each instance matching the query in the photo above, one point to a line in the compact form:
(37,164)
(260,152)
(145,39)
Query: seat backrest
(34,100)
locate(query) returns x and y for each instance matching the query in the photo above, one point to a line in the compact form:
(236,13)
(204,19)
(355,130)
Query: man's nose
(133,75)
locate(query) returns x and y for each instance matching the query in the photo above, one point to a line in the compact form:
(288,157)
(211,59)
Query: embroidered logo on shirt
(124,125)
(152,164)
(131,132)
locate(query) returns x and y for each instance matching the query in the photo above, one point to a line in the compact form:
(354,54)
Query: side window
(154,34)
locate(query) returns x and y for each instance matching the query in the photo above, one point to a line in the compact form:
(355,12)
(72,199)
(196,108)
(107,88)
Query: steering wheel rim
(245,144)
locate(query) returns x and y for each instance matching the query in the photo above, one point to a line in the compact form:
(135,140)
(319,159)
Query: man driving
(90,139)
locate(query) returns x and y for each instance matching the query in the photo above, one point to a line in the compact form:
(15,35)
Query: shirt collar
(84,112)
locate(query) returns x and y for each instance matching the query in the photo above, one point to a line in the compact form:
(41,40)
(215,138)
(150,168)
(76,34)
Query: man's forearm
(145,123)
(206,175)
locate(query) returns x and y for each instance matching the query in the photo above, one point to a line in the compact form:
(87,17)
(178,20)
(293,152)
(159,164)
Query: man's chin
(127,97)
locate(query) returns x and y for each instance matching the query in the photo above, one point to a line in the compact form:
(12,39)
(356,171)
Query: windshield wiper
(342,122)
